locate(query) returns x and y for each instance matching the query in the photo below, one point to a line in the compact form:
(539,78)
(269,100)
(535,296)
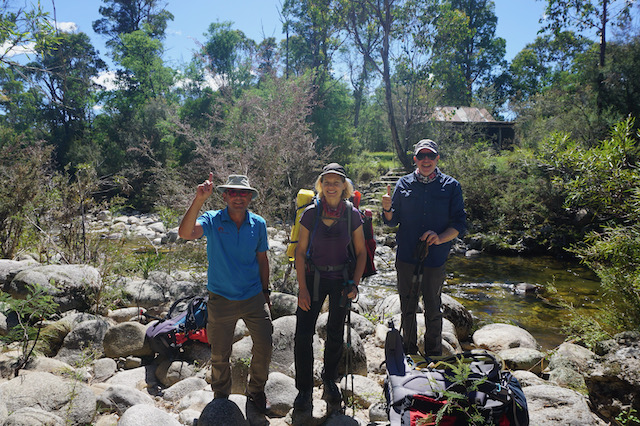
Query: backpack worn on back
(307,197)
(167,335)
(451,390)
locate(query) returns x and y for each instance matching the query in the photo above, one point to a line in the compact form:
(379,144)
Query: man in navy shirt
(428,206)
(238,281)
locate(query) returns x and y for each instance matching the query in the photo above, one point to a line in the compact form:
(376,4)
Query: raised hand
(205,189)
(386,199)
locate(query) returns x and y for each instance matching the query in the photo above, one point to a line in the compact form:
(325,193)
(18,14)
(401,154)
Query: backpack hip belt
(329,268)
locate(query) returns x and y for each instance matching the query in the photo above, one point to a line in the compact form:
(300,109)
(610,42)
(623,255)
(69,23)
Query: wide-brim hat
(426,144)
(334,168)
(238,182)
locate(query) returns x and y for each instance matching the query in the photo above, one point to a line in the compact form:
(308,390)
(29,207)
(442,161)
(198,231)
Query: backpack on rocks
(466,388)
(186,321)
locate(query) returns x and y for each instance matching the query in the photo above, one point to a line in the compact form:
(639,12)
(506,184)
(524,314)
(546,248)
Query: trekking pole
(421,252)
(349,372)
(346,302)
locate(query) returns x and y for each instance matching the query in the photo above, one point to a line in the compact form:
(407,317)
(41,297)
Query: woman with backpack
(330,259)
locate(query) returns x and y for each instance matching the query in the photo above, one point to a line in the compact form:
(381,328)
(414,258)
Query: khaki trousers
(223,314)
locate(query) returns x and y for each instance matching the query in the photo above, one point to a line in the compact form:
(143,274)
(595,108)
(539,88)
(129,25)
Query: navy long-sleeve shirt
(419,207)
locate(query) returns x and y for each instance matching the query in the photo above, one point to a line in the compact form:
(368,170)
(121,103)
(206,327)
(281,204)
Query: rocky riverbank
(98,369)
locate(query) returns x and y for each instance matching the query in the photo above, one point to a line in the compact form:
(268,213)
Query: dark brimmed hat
(333,168)
(238,182)
(426,144)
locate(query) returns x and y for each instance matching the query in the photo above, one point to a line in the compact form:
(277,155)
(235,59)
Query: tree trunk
(386,77)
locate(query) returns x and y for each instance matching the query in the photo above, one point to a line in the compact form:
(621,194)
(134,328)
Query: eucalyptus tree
(126,16)
(317,25)
(384,33)
(544,62)
(367,35)
(229,56)
(587,15)
(466,52)
(65,75)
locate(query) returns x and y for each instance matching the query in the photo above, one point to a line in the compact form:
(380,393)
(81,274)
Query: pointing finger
(388,189)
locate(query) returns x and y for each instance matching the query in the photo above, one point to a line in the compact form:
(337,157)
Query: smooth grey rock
(497,337)
(104,368)
(143,414)
(171,372)
(69,399)
(119,398)
(184,387)
(523,359)
(32,416)
(127,338)
(72,286)
(552,405)
(281,392)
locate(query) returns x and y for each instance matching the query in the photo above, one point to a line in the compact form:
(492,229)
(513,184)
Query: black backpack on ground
(463,389)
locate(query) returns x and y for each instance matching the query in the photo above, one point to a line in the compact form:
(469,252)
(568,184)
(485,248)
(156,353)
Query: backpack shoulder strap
(349,209)
(316,206)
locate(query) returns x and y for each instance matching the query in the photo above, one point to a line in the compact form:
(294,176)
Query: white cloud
(67,27)
(23,49)
(107,80)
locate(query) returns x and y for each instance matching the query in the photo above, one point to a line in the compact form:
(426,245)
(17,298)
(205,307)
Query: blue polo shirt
(232,253)
(419,207)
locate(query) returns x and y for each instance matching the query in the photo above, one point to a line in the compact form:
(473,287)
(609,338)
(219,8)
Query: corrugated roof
(462,115)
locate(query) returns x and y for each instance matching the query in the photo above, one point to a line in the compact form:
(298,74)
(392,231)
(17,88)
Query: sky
(518,21)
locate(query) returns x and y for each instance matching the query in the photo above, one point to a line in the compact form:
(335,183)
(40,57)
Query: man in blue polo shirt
(428,206)
(238,281)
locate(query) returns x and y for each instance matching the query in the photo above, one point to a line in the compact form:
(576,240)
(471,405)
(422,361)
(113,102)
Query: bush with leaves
(30,314)
(24,167)
(604,179)
(265,135)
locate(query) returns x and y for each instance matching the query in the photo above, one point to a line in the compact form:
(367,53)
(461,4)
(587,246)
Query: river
(485,285)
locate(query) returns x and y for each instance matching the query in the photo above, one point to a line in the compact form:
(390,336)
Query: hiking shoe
(331,393)
(260,401)
(303,400)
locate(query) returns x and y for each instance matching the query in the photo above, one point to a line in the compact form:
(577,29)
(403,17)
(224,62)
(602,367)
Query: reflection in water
(492,288)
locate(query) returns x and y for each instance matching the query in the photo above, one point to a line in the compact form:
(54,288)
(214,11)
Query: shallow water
(488,287)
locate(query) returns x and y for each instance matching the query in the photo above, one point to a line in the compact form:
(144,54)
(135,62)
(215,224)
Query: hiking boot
(260,401)
(303,401)
(331,393)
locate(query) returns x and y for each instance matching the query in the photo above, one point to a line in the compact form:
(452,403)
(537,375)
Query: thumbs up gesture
(386,199)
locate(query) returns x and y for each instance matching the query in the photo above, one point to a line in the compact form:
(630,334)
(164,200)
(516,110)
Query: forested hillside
(352,81)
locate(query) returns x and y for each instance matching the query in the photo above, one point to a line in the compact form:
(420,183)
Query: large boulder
(68,399)
(497,337)
(553,405)
(86,337)
(613,379)
(283,304)
(10,268)
(281,392)
(119,398)
(143,414)
(127,338)
(459,316)
(31,416)
(72,286)
(523,359)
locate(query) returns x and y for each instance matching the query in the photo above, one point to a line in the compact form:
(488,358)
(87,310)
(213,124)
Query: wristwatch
(267,291)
